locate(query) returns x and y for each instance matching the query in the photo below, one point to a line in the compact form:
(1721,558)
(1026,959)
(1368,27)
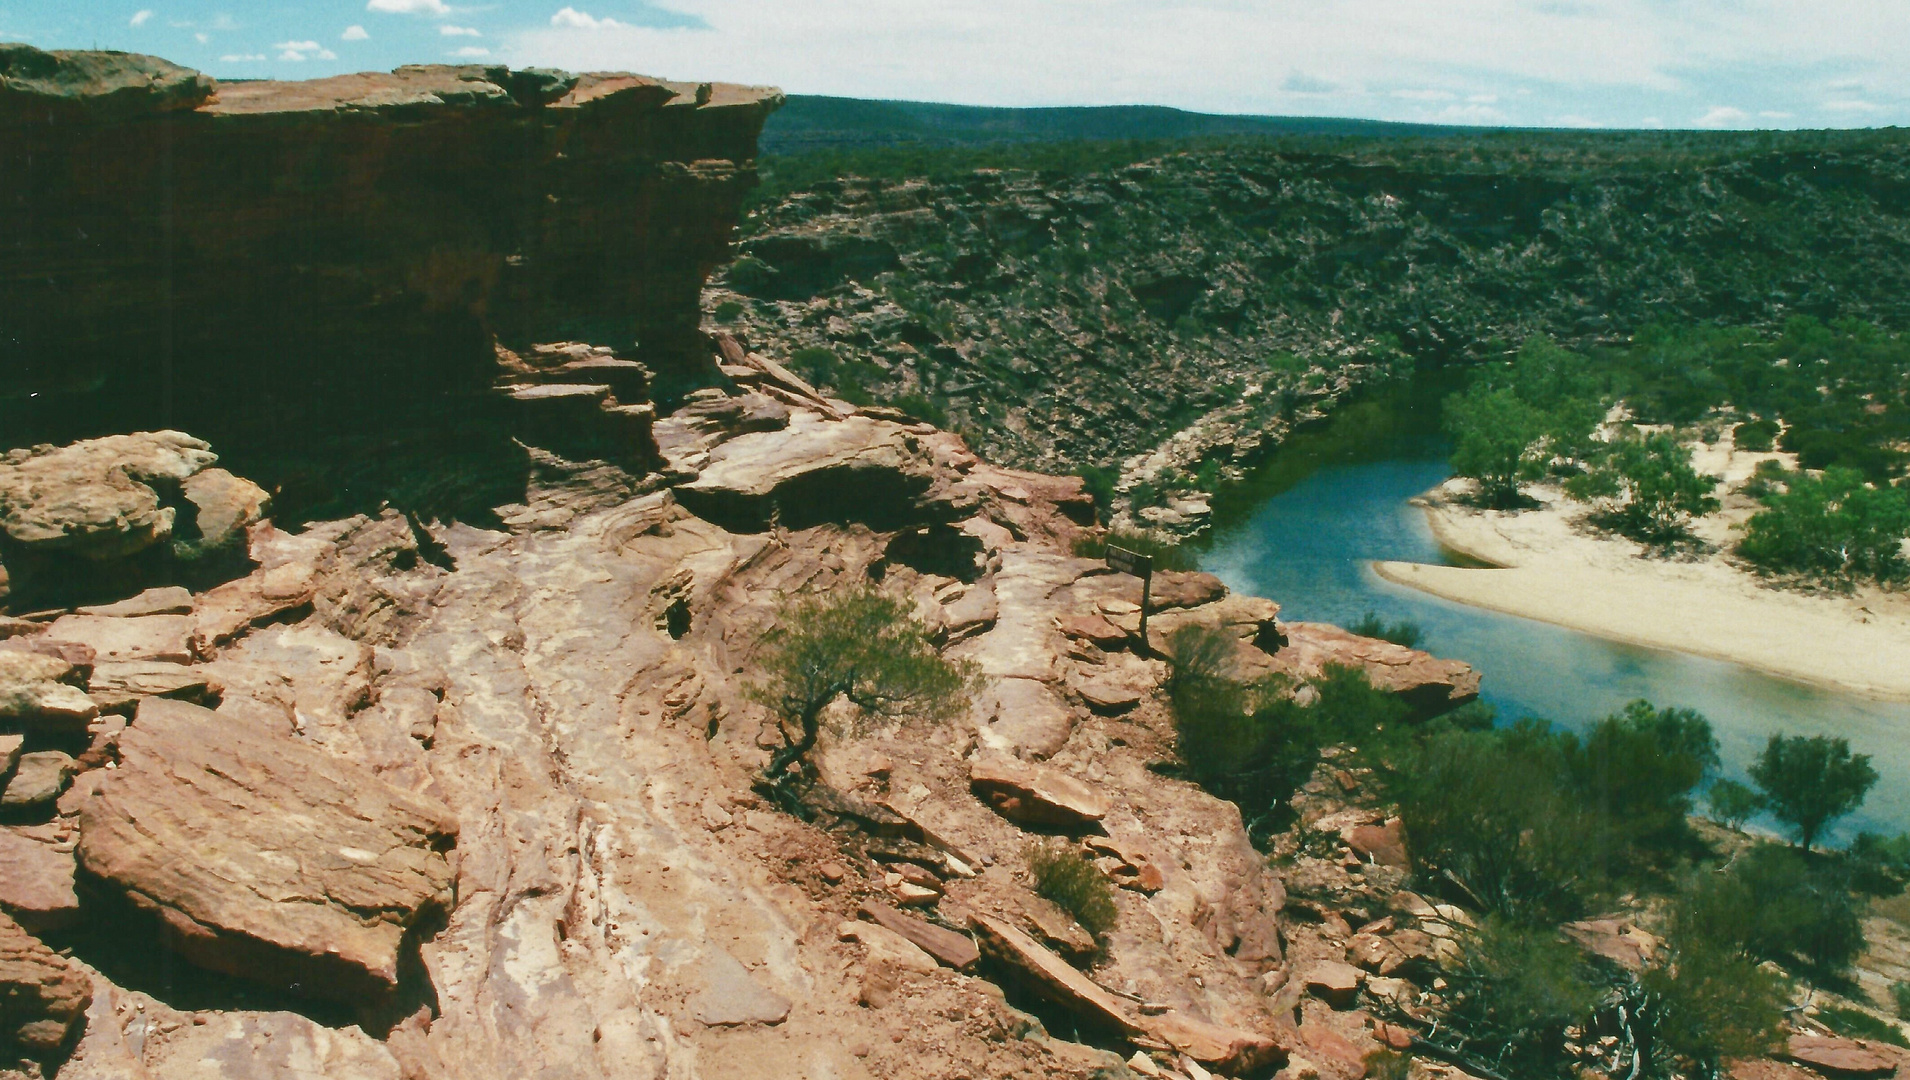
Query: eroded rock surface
(43,997)
(264,857)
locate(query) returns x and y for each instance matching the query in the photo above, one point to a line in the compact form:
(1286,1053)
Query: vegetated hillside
(1101,297)
(809,122)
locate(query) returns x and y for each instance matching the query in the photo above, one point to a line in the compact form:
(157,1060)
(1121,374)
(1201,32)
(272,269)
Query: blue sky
(1614,63)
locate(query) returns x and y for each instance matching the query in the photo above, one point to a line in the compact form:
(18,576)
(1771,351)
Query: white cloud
(202,37)
(1723,116)
(1776,114)
(354,33)
(458,31)
(409,7)
(223,22)
(241,58)
(301,51)
(472,51)
(1853,105)
(571,18)
(139,17)
(1424,95)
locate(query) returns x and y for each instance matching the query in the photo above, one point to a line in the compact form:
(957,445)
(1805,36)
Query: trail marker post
(1141,566)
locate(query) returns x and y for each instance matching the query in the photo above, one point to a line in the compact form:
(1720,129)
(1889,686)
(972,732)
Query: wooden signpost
(1141,566)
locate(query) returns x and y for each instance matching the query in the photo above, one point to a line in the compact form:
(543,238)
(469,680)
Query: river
(1304,529)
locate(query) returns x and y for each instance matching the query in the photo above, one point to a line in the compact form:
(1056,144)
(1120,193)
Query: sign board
(1130,562)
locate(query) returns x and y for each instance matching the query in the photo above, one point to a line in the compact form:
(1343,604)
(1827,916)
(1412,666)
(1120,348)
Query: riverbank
(1543,565)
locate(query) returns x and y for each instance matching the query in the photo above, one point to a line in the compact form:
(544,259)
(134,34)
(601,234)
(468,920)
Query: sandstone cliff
(257,261)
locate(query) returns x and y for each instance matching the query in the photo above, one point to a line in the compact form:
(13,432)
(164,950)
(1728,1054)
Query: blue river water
(1304,530)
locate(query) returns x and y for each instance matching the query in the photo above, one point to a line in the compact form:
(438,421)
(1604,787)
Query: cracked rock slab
(262,856)
(42,995)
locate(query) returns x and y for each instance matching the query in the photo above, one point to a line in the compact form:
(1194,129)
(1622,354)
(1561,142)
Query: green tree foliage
(1713,1003)
(1513,993)
(1833,527)
(1649,488)
(1774,903)
(1811,781)
(1498,440)
(1066,877)
(1166,555)
(855,644)
(1533,823)
(1732,803)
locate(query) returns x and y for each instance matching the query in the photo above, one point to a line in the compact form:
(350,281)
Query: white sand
(1552,570)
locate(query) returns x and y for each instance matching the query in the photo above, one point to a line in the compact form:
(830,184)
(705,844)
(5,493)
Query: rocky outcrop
(105,517)
(263,857)
(338,256)
(1428,683)
(43,997)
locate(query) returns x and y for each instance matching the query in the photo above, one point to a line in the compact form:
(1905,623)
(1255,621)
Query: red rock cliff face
(214,257)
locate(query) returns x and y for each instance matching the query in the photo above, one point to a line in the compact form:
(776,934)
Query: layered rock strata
(257,259)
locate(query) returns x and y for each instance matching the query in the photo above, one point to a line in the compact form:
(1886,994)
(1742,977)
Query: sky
(1544,63)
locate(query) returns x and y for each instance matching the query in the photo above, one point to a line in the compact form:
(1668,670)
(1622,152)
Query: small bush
(1774,904)
(1514,992)
(1099,484)
(1402,632)
(1075,885)
(1167,556)
(1901,993)
(1857,1024)
(1732,803)
(1384,1064)
(728,311)
(1715,1004)
(1756,436)
(921,408)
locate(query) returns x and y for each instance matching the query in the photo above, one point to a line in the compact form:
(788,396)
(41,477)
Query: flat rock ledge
(262,856)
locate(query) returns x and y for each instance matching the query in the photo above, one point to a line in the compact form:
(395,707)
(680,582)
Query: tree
(1649,486)
(1732,803)
(1637,768)
(857,645)
(1811,781)
(1497,439)
(1833,527)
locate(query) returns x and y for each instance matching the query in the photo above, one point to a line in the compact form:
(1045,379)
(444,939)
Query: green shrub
(1774,904)
(1385,1064)
(728,311)
(1066,877)
(1099,484)
(1856,1024)
(816,364)
(1834,528)
(857,644)
(1636,770)
(1402,632)
(1497,440)
(921,408)
(1900,993)
(1513,993)
(1166,555)
(1714,1004)
(1755,436)
(1732,803)
(1648,489)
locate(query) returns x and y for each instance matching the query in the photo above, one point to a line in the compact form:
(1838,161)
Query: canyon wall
(248,258)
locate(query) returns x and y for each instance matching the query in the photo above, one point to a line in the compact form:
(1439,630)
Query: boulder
(1050,977)
(38,695)
(1127,863)
(214,824)
(955,950)
(43,996)
(1375,953)
(1034,794)
(1228,1049)
(94,515)
(1092,628)
(10,746)
(1057,930)
(1184,589)
(36,883)
(1108,696)
(1615,939)
(1334,982)
(1839,1057)
(117,686)
(1024,715)
(1427,683)
(37,780)
(1384,845)
(145,637)
(818,470)
(886,947)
